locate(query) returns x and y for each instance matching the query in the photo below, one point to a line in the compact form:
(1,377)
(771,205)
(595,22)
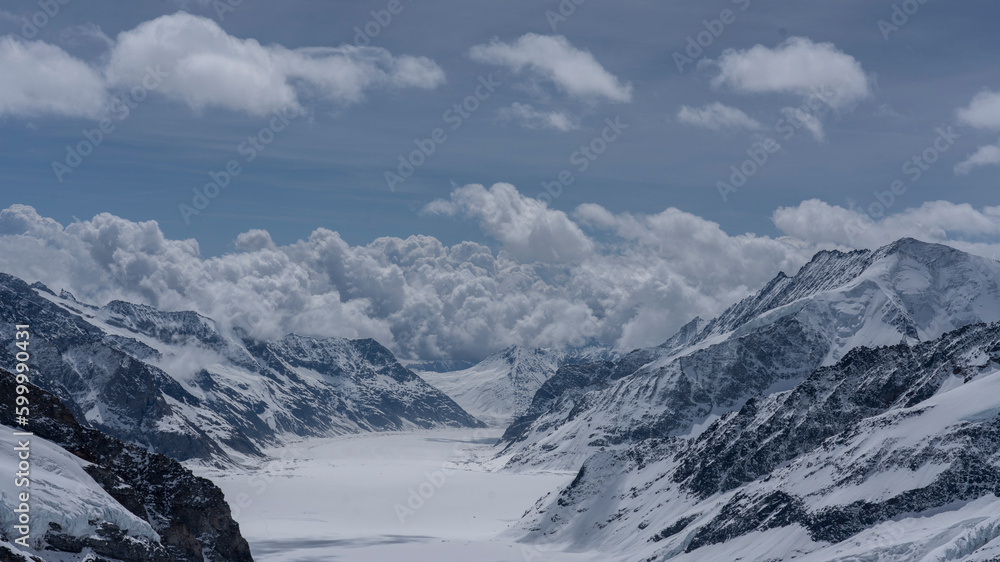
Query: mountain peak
(911,247)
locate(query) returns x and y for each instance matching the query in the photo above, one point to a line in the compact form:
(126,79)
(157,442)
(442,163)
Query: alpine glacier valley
(848,412)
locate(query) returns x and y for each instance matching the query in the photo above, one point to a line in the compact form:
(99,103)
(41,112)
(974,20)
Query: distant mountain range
(501,386)
(177,384)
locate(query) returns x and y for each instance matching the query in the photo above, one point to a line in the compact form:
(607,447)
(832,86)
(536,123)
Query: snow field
(416,495)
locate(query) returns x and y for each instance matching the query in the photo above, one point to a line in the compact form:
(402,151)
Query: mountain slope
(501,386)
(891,454)
(91,493)
(176,383)
(908,291)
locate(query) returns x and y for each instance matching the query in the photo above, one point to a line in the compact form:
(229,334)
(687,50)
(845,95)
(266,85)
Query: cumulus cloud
(40,79)
(717,116)
(958,225)
(988,155)
(797,66)
(552,57)
(210,68)
(633,281)
(983,112)
(205,67)
(530,118)
(528,229)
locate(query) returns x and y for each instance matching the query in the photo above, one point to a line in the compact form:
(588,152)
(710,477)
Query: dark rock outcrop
(189,513)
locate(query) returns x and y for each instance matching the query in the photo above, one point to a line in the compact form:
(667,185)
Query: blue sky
(328,170)
(887,94)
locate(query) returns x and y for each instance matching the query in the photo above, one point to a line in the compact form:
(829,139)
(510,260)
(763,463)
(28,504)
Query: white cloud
(983,112)
(817,222)
(205,68)
(210,68)
(717,116)
(648,275)
(797,66)
(528,229)
(805,119)
(988,155)
(552,57)
(40,79)
(530,118)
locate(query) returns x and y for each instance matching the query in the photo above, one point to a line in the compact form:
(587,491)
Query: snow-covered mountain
(501,386)
(176,383)
(890,454)
(908,292)
(94,496)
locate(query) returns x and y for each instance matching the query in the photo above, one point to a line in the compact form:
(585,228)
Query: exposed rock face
(908,292)
(851,412)
(189,514)
(179,384)
(893,453)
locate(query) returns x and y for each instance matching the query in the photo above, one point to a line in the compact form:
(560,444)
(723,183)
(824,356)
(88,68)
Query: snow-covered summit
(908,291)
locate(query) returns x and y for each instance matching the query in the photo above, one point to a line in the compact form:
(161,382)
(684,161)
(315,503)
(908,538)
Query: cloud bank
(42,79)
(557,279)
(205,68)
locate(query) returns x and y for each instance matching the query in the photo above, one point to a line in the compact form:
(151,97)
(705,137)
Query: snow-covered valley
(848,412)
(418,495)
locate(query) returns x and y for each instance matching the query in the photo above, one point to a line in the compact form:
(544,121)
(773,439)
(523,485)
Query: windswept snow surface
(346,498)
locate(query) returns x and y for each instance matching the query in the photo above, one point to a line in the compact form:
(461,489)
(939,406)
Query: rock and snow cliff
(851,412)
(906,292)
(177,383)
(93,495)
(891,454)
